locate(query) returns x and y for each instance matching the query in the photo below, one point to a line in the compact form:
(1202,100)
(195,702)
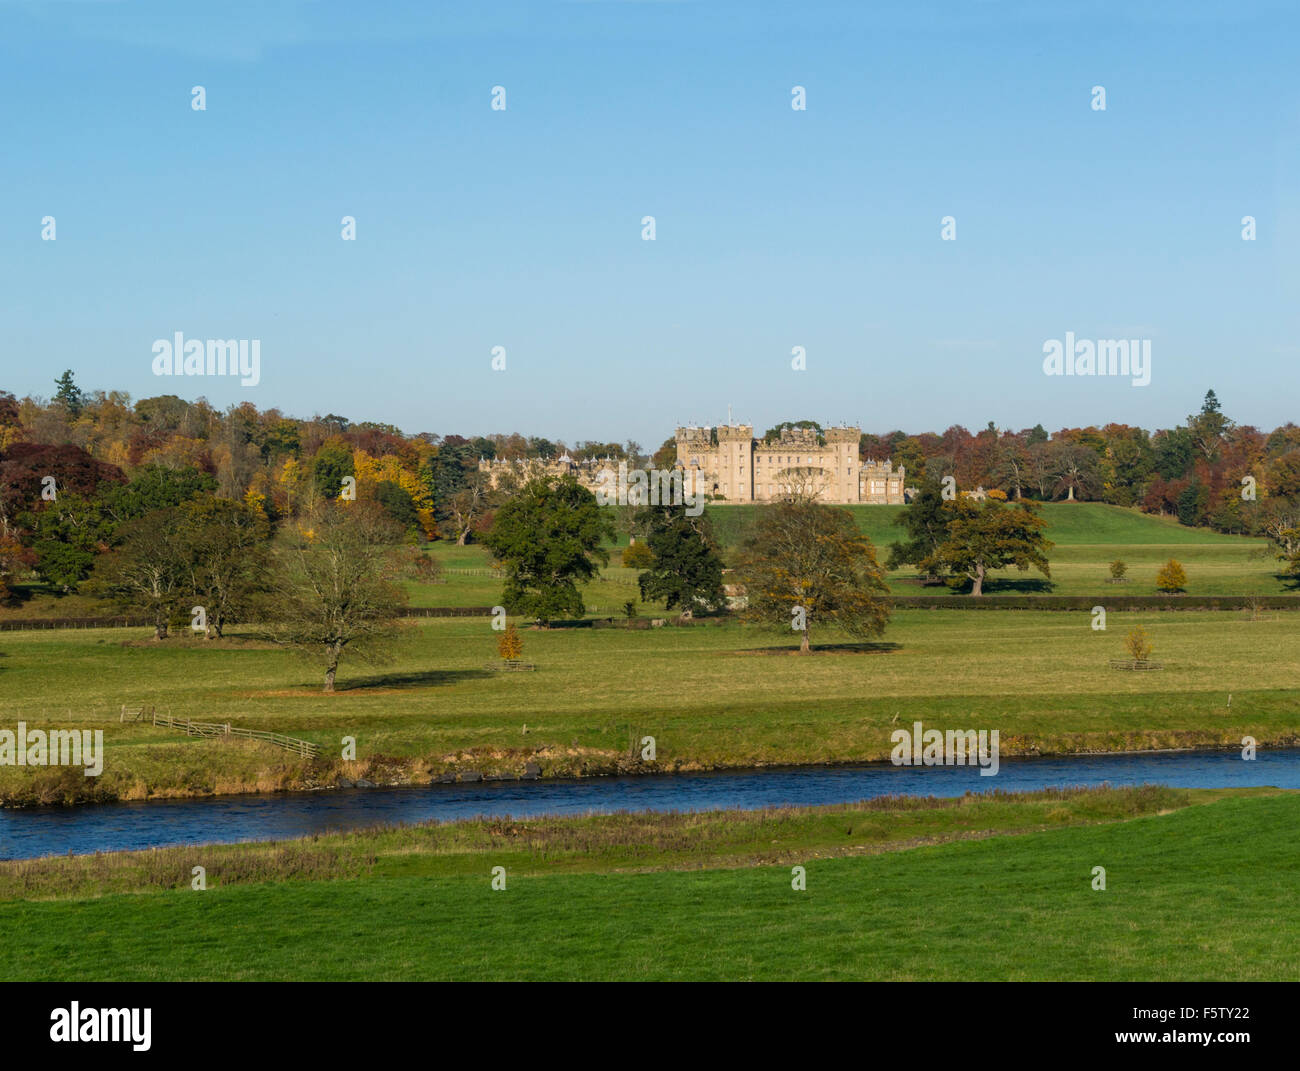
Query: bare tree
(467,506)
(1075,468)
(803,483)
(335,587)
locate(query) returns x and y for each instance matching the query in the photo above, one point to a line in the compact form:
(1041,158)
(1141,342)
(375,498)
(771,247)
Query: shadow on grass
(826,648)
(424,679)
(1290,581)
(1011,586)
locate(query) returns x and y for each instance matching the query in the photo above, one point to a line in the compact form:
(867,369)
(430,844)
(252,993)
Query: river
(122,826)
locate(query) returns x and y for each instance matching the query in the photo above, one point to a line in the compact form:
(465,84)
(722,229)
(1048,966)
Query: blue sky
(774,228)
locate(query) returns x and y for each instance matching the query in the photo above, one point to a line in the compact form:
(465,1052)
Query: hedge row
(1111,601)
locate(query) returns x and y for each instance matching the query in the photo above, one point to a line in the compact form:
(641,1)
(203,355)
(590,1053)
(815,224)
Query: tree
(1284,475)
(1137,644)
(1040,469)
(666,456)
(225,544)
(150,569)
(684,569)
(333,461)
(1209,428)
(1118,569)
(67,536)
(396,501)
(1192,502)
(1172,577)
(1173,453)
(467,507)
(995,535)
(807,562)
(334,587)
(548,537)
(1131,462)
(15,559)
(156,487)
(800,483)
(25,467)
(1075,469)
(1012,464)
(637,556)
(773,434)
(1280,522)
(925,519)
(69,394)
(510,646)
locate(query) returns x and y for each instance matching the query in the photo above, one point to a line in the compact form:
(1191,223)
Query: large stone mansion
(727,464)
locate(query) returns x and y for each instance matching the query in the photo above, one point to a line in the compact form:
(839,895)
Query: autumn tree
(995,535)
(15,560)
(510,646)
(35,474)
(637,556)
(806,563)
(1172,577)
(1137,644)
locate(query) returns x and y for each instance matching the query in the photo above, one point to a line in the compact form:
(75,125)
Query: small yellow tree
(1137,644)
(510,646)
(1171,577)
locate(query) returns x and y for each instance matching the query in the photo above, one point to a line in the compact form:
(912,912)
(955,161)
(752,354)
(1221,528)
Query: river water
(122,826)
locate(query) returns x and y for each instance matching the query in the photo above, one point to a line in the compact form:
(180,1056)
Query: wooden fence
(304,748)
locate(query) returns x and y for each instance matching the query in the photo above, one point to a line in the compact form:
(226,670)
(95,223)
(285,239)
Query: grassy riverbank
(712,697)
(1200,885)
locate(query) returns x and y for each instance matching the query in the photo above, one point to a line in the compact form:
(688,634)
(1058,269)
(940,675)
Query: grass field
(1088,537)
(712,697)
(1199,886)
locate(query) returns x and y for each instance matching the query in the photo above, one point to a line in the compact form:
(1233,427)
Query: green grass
(1069,524)
(1088,537)
(1201,892)
(711,696)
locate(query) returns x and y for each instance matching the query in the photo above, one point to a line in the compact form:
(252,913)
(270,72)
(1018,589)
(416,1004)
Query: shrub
(1138,645)
(510,646)
(1118,569)
(638,556)
(1172,577)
